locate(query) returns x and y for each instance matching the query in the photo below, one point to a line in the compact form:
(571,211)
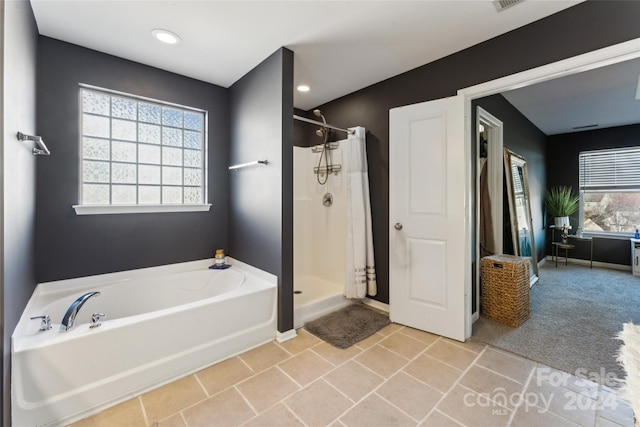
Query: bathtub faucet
(69,319)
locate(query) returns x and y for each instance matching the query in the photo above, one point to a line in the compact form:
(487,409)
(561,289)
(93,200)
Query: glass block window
(138,151)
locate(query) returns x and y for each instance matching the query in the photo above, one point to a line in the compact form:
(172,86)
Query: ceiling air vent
(503,4)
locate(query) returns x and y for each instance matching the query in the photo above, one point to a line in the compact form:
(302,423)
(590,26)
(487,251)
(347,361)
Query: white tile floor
(397,377)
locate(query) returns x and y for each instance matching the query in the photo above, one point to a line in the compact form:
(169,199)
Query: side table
(566,247)
(585,239)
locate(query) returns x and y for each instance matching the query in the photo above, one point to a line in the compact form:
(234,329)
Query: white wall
(319,231)
(19,46)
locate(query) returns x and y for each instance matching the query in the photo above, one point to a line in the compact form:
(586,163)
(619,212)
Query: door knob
(398,226)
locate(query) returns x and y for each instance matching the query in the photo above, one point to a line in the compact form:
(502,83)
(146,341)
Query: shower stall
(319,227)
(332,244)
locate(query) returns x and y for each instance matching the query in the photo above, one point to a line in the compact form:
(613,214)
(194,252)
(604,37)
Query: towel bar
(244,165)
(41,148)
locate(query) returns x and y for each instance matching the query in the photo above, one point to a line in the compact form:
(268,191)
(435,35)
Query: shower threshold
(316,298)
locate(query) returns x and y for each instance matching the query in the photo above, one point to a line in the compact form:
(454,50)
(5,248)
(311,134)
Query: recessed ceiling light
(303,88)
(166,36)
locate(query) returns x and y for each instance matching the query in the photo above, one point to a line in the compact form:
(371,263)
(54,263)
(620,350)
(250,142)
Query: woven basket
(505,289)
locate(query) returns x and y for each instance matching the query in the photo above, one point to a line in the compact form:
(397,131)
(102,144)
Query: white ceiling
(605,97)
(339,46)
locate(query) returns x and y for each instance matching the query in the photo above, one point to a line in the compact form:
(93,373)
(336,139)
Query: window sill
(135,209)
(608,235)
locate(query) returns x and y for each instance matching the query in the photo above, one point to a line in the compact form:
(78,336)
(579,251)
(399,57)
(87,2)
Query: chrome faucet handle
(45,324)
(95,319)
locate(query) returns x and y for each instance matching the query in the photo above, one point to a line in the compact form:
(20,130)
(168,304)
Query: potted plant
(561,202)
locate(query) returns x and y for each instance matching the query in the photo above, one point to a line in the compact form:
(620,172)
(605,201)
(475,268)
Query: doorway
(488,195)
(588,61)
(466,256)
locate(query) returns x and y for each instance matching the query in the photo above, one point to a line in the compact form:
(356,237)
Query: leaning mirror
(524,245)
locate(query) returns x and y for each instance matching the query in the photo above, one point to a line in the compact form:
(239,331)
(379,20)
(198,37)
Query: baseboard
(376,304)
(286,336)
(579,261)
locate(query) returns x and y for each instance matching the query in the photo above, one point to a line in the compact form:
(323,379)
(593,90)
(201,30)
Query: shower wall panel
(302,213)
(319,231)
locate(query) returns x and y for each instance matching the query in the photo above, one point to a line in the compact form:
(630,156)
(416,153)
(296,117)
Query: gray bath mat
(347,326)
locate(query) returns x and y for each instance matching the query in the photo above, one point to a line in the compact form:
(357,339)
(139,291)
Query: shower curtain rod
(315,122)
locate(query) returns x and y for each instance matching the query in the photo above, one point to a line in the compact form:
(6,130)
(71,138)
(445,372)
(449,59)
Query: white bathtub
(162,323)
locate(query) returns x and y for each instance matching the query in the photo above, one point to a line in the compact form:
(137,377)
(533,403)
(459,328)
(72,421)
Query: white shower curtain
(360,266)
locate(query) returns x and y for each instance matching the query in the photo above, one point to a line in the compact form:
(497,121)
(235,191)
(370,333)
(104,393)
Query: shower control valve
(45,323)
(95,320)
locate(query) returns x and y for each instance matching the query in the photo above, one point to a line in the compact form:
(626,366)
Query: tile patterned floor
(397,377)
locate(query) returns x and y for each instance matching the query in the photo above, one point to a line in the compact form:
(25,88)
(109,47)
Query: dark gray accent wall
(524,138)
(563,169)
(582,28)
(261,210)
(18,94)
(69,245)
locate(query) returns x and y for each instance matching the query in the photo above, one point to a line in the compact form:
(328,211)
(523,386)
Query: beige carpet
(576,313)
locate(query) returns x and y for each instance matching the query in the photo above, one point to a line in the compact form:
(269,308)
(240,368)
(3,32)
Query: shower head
(323,130)
(318,113)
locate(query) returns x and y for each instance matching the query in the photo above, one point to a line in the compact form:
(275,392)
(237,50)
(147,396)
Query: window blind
(611,170)
(516,173)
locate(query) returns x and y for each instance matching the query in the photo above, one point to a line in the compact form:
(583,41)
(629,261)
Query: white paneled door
(427,217)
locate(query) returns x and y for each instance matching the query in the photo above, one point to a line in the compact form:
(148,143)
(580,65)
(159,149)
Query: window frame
(100,209)
(581,191)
